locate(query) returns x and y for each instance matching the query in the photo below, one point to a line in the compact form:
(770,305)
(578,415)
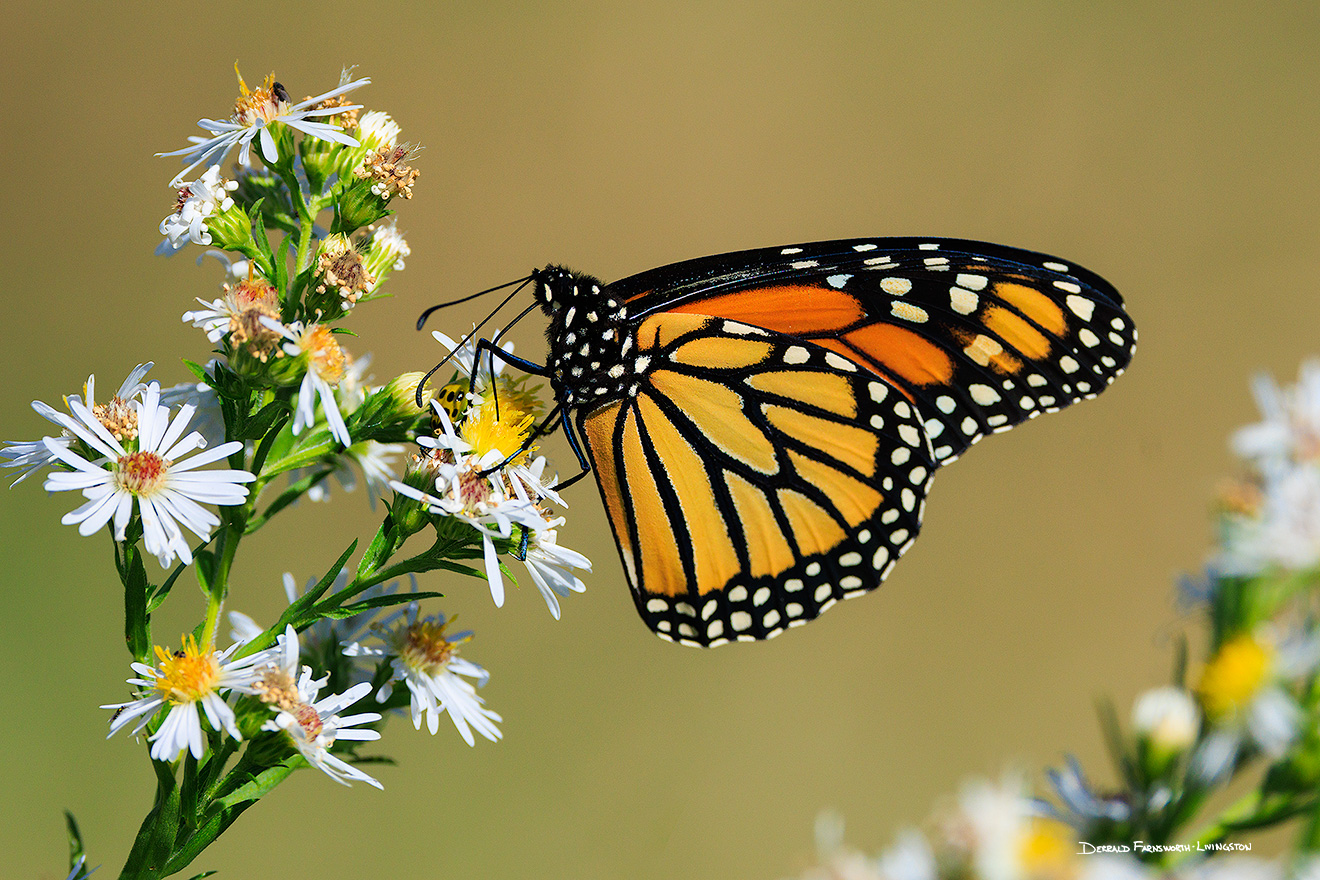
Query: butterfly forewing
(980,337)
(754,480)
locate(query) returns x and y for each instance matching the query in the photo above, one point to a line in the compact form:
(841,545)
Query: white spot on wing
(895,286)
(909,312)
(837,280)
(1081,306)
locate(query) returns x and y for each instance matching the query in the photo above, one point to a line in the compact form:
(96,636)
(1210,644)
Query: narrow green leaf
(137,622)
(76,850)
(374,602)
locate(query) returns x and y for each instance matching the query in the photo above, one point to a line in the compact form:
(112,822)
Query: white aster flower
(182,682)
(313,725)
(910,858)
(1167,717)
(1290,430)
(166,489)
(379,463)
(377,129)
(118,416)
(425,659)
(1284,529)
(998,834)
(198,200)
(254,112)
(326,364)
(483,502)
(464,357)
(551,566)
(1245,695)
(235,270)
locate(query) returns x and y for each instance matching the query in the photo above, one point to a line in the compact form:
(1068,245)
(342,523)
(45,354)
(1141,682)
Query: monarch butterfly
(764,425)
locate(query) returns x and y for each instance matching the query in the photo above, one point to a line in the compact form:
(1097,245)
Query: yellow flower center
(1234,675)
(142,473)
(327,358)
(259,105)
(505,434)
(423,647)
(1045,851)
(188,675)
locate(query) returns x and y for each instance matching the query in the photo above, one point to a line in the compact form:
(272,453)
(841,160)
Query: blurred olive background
(1172,149)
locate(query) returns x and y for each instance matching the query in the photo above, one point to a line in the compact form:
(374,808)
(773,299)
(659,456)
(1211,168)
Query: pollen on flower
(1234,675)
(278,688)
(188,675)
(248,302)
(141,473)
(327,358)
(341,267)
(423,647)
(261,104)
(119,416)
(389,171)
(505,433)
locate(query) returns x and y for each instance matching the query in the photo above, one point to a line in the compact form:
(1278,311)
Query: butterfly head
(559,289)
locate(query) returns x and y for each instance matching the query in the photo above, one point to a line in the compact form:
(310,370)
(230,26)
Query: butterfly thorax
(592,356)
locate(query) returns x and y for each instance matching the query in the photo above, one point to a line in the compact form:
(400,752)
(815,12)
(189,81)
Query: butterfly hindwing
(754,479)
(980,337)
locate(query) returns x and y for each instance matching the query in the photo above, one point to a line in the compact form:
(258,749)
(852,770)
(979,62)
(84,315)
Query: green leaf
(137,621)
(261,784)
(156,836)
(375,602)
(197,370)
(260,423)
(1118,749)
(75,839)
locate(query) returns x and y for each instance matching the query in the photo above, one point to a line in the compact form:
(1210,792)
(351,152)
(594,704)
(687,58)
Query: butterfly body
(764,425)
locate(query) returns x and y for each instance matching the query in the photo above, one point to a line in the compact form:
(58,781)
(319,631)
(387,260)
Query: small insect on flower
(255,111)
(147,469)
(426,659)
(182,681)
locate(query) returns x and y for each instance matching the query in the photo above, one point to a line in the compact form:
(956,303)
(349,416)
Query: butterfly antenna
(421,319)
(521,282)
(494,341)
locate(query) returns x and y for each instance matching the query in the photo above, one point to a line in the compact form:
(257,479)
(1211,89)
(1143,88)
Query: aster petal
(338,90)
(91,515)
(175,430)
(224,450)
(493,575)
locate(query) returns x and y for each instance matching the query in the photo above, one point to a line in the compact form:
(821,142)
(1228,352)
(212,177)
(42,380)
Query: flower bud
(1166,721)
(384,251)
(322,158)
(409,514)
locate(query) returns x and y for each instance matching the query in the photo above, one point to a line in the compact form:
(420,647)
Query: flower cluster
(303,225)
(1247,716)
